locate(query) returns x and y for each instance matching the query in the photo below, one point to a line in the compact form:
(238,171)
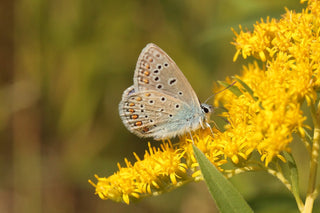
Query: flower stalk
(312,190)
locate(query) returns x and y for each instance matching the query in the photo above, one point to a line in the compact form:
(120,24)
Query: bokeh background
(64,66)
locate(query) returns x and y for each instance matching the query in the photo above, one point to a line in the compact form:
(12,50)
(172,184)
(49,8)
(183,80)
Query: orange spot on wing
(146,73)
(134,116)
(138,123)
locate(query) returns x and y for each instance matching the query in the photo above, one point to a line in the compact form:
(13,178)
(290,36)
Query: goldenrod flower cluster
(161,170)
(262,116)
(289,48)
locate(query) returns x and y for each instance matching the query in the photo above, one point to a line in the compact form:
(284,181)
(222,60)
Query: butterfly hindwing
(154,114)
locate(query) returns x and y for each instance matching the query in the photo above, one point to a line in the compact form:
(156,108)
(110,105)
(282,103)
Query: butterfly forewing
(155,70)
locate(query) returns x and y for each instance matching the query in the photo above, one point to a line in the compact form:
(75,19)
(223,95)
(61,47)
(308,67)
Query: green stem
(285,182)
(232,172)
(313,160)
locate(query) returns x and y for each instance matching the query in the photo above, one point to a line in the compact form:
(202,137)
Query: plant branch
(315,113)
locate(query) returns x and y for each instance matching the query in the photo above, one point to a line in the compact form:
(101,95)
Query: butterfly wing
(161,103)
(155,70)
(158,115)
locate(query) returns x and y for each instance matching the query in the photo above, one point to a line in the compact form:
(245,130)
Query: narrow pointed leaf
(226,196)
(234,89)
(220,121)
(290,172)
(249,90)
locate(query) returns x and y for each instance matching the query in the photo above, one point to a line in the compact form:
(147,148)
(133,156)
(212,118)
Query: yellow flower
(161,170)
(290,49)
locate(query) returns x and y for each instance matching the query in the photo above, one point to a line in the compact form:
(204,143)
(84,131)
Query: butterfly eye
(206,108)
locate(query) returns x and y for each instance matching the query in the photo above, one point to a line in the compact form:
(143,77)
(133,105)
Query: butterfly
(161,103)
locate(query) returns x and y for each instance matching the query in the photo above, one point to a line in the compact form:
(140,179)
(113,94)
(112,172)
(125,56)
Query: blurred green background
(64,66)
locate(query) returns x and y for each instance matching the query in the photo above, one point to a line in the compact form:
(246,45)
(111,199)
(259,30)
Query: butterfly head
(207,109)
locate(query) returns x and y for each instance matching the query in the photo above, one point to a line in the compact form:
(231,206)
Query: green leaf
(234,89)
(309,137)
(290,171)
(226,196)
(219,121)
(249,90)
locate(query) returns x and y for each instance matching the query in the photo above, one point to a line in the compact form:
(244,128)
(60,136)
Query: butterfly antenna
(220,91)
(209,98)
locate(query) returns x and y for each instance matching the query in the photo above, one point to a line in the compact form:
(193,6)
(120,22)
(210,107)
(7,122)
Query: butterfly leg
(208,126)
(191,137)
